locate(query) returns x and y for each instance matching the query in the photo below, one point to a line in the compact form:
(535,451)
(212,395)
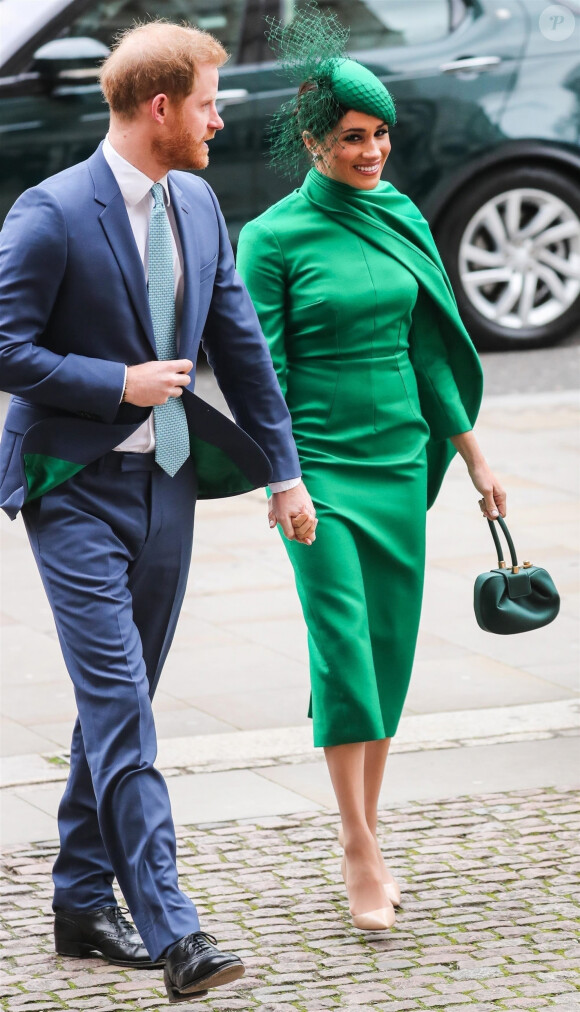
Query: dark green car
(487,141)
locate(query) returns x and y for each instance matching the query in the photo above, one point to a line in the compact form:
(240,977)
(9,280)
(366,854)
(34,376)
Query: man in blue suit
(110,275)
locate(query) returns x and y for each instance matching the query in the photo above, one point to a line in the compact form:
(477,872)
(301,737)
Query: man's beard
(181,151)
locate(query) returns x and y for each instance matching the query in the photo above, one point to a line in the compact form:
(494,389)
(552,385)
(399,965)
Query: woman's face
(358,154)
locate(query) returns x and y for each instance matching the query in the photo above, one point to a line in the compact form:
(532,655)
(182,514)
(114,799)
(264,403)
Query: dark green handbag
(513,600)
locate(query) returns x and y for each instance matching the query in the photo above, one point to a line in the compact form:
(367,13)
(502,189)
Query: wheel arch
(462,193)
(525,154)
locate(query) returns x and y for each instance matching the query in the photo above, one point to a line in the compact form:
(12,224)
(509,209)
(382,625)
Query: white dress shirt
(135,189)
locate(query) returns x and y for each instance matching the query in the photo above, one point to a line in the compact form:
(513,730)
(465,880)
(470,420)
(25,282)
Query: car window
(375,23)
(104,19)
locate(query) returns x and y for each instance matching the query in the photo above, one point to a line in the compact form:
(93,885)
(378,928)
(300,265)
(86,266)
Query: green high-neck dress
(378,372)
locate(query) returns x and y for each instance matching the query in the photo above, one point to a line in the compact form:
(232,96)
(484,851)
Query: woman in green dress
(383,385)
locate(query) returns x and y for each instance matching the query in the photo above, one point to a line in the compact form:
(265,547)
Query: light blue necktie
(171,432)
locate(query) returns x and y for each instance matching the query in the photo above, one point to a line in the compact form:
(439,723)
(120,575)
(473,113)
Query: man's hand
(155,382)
(295,513)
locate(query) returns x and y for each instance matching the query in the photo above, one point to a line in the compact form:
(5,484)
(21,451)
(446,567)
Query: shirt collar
(133,184)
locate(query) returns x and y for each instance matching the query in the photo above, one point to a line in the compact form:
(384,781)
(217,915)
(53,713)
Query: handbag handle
(511,546)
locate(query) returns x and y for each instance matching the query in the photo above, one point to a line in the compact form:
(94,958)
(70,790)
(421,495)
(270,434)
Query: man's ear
(158,108)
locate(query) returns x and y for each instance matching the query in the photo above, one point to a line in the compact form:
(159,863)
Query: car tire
(485,229)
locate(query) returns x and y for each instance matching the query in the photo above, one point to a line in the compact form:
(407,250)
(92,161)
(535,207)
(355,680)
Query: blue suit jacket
(74,311)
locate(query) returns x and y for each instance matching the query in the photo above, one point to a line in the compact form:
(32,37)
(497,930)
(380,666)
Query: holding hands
(153,383)
(295,513)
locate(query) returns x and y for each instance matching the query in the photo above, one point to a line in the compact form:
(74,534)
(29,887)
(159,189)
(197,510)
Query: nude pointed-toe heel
(392,891)
(374,920)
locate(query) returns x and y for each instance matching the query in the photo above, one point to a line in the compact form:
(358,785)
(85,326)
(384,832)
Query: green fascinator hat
(356,87)
(311,50)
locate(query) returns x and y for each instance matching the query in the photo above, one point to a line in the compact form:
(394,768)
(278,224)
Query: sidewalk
(480,815)
(231,710)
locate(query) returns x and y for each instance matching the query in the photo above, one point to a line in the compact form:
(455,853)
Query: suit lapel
(190,250)
(117,228)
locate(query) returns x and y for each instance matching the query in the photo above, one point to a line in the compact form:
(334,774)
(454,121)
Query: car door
(52,114)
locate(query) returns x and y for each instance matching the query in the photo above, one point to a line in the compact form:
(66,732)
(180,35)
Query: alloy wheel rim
(519,259)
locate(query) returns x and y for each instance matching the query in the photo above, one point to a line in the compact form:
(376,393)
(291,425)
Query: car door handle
(79,74)
(231,96)
(470,63)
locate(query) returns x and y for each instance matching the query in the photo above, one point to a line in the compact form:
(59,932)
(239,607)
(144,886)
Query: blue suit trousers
(113,546)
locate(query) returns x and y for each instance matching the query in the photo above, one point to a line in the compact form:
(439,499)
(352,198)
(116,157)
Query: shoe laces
(116,915)
(198,941)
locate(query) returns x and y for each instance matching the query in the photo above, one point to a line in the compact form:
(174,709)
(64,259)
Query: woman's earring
(316,158)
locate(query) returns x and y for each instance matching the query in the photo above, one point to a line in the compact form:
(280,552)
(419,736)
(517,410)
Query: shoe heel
(174,996)
(69,947)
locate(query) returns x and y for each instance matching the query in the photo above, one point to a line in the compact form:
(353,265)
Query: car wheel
(511,245)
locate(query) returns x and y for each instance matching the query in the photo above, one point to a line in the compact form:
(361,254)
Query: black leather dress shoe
(196,964)
(104,932)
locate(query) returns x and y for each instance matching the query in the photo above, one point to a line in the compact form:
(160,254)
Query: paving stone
(541,989)
(487,923)
(524,1003)
(478,1006)
(395,964)
(43,1006)
(277,1007)
(443,1001)
(393,1006)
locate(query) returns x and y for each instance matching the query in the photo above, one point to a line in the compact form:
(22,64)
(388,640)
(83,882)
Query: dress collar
(133,184)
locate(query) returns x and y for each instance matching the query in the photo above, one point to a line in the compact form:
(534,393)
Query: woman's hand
(295,513)
(304,527)
(494,497)
(493,503)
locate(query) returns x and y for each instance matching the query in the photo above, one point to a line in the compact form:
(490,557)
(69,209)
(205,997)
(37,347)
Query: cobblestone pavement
(489,918)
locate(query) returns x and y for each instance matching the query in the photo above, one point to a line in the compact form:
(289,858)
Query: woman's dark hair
(318,117)
(313,109)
